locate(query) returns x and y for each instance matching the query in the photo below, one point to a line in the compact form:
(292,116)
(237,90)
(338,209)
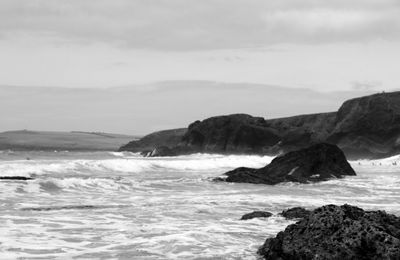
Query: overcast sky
(325,45)
(321,45)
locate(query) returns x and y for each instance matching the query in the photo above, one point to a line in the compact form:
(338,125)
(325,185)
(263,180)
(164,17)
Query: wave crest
(133,164)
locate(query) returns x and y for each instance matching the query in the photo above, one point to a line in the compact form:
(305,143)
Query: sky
(325,46)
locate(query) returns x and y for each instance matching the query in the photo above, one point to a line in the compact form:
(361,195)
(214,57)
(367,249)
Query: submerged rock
(337,232)
(296,212)
(256,214)
(316,163)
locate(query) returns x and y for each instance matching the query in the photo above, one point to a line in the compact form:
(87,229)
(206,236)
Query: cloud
(198,25)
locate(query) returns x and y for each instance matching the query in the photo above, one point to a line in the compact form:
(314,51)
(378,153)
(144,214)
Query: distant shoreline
(27,140)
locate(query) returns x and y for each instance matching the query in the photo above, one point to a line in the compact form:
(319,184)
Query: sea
(112,205)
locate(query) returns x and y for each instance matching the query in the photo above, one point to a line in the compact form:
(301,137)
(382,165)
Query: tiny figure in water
(359,163)
(27,158)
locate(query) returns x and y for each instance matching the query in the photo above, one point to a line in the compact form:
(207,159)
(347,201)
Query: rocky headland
(165,138)
(365,127)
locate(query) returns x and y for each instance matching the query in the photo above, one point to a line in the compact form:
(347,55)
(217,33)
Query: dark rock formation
(300,131)
(366,127)
(296,212)
(239,133)
(167,138)
(316,163)
(256,214)
(15,178)
(369,126)
(337,232)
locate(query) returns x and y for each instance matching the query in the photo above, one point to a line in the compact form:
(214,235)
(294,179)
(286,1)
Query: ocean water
(106,205)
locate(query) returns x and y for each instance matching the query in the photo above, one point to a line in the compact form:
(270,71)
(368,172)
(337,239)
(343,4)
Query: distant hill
(71,141)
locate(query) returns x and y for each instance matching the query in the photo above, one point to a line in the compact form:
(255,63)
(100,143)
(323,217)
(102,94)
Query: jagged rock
(337,232)
(316,163)
(296,212)
(256,214)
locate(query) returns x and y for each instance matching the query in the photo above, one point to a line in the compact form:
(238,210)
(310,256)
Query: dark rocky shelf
(337,232)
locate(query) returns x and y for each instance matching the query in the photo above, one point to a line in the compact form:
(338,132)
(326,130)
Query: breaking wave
(132,164)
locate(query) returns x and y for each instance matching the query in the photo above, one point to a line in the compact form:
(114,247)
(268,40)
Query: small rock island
(319,162)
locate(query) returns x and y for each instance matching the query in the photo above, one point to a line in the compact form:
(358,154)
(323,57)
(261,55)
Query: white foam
(167,210)
(133,164)
(88,184)
(124,154)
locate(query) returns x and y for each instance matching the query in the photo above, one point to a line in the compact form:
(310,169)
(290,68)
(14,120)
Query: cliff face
(366,127)
(301,131)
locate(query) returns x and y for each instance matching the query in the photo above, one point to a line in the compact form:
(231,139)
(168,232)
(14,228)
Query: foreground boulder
(296,212)
(337,232)
(316,163)
(256,214)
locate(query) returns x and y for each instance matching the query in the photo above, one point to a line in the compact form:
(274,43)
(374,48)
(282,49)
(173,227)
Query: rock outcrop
(300,131)
(294,213)
(256,214)
(337,232)
(239,133)
(366,127)
(317,163)
(166,138)
(369,126)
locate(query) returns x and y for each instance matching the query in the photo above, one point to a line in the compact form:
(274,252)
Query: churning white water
(123,206)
